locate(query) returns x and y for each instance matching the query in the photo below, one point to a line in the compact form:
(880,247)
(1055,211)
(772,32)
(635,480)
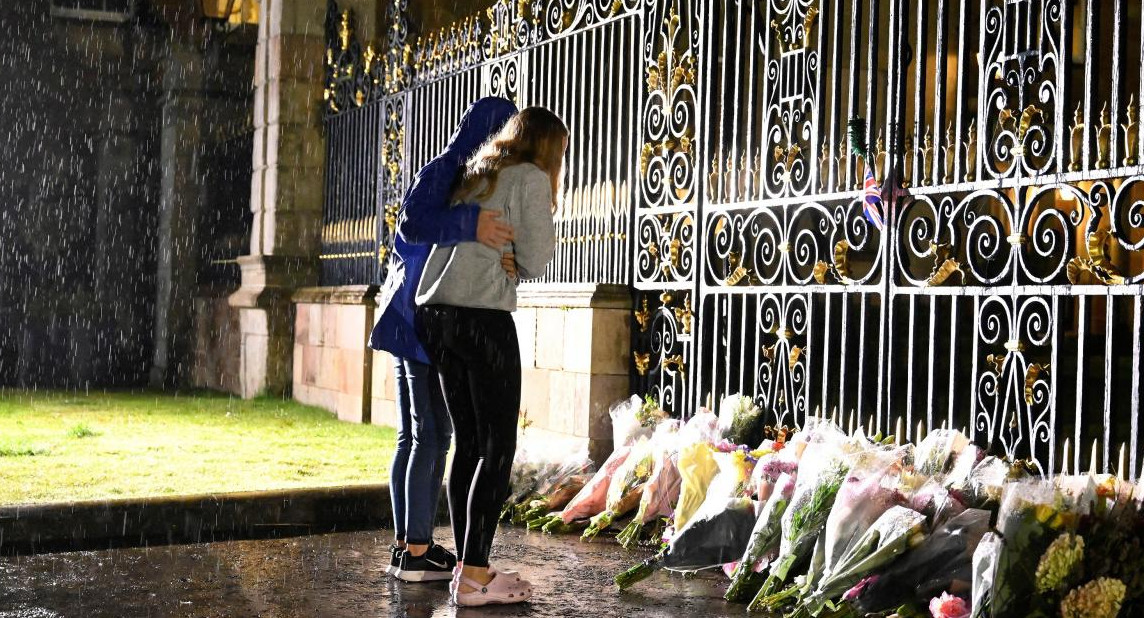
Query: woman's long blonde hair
(534,135)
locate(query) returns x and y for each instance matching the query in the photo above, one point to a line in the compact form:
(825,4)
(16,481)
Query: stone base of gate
(574,341)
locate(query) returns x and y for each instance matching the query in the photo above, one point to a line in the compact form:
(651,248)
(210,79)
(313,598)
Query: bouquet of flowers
(591,499)
(939,563)
(696,469)
(625,489)
(556,483)
(740,420)
(535,472)
(717,533)
(820,476)
(1032,514)
(938,451)
(661,490)
(747,577)
(554,499)
(895,531)
(634,418)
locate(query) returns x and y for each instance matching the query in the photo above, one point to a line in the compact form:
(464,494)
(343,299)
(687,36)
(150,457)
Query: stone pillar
(575,342)
(286,189)
(180,195)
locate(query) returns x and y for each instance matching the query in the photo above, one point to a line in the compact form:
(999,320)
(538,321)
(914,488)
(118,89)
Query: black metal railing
(712,169)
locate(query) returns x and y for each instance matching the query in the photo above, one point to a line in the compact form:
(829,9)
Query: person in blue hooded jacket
(424,430)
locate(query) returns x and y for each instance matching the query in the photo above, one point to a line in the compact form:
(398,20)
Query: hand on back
(491,231)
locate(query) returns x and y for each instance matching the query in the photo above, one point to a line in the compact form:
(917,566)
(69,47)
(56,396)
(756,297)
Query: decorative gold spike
(1131,133)
(1103,137)
(677,362)
(971,152)
(949,152)
(683,314)
(942,272)
(820,270)
(998,362)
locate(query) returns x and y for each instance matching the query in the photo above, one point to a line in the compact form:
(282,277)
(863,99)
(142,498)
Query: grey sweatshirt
(469,274)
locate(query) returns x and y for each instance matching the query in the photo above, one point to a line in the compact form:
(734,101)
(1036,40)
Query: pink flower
(948,606)
(859,588)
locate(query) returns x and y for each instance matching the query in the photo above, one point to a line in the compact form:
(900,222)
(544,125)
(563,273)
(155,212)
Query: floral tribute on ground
(813,521)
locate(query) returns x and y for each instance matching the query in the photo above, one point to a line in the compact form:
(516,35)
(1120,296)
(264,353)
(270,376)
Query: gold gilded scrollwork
(675,361)
(1032,374)
(1096,267)
(683,314)
(944,266)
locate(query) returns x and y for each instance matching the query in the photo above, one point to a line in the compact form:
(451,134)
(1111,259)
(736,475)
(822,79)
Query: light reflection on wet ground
(335,576)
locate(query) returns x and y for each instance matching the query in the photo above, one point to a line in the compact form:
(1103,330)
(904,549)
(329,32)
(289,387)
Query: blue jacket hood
(483,118)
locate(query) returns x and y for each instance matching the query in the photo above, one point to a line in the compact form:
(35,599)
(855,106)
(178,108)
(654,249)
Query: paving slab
(335,575)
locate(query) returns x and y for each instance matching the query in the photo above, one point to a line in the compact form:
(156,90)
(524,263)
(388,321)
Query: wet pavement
(336,575)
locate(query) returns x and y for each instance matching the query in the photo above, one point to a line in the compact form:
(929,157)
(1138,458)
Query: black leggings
(478,356)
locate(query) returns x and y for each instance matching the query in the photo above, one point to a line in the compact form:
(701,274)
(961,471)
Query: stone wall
(332,364)
(574,354)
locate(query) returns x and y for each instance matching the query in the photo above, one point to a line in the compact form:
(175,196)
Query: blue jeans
(423,434)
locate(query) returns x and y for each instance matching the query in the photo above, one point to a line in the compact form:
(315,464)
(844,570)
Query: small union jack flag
(873,200)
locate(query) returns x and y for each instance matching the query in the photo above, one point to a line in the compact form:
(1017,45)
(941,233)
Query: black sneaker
(395,552)
(436,564)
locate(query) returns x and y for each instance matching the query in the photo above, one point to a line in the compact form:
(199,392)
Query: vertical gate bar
(830,182)
(1064,83)
(973,371)
(1053,382)
(953,300)
(942,22)
(872,63)
(742,299)
(932,343)
(610,173)
(1117,78)
(583,154)
(827,352)
(962,76)
(1089,70)
(1109,309)
(1081,325)
(895,93)
(919,88)
(1139,102)
(843,337)
(809,355)
(733,164)
(982,87)
(635,135)
(852,93)
(721,129)
(911,373)
(751,190)
(859,396)
(556,104)
(1134,446)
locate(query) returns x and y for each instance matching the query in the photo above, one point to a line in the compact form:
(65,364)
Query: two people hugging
(475,222)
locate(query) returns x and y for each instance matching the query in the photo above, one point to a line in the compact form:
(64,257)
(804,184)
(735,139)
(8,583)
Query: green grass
(61,446)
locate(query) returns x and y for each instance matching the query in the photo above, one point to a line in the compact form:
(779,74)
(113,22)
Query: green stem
(745,584)
(639,572)
(772,602)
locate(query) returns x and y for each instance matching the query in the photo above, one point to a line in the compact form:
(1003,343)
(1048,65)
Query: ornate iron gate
(1003,295)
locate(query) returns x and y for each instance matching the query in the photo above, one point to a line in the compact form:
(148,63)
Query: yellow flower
(1060,561)
(1099,598)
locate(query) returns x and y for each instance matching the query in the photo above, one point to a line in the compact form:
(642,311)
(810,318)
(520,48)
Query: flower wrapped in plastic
(748,575)
(558,482)
(740,420)
(590,500)
(661,491)
(625,488)
(941,562)
(697,468)
(1032,515)
(822,471)
(984,574)
(938,451)
(532,469)
(895,531)
(774,462)
(634,418)
(716,534)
